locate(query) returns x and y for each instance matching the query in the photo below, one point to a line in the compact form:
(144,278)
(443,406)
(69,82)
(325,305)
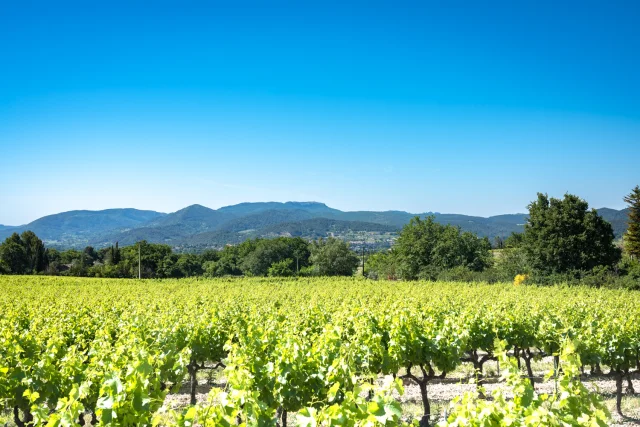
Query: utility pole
(139,262)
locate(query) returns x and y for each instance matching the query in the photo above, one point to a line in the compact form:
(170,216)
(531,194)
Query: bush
(282,268)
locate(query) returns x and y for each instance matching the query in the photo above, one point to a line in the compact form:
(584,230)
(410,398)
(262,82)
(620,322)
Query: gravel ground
(442,392)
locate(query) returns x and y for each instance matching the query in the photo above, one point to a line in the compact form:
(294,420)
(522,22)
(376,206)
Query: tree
(514,240)
(425,247)
(382,265)
(90,256)
(13,256)
(268,252)
(35,252)
(282,268)
(332,257)
(564,235)
(189,265)
(632,236)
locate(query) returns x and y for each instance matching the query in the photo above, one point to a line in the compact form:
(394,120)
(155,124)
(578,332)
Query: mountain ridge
(191,226)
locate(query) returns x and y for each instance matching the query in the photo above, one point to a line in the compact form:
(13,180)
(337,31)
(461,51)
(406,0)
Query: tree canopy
(332,257)
(632,236)
(563,235)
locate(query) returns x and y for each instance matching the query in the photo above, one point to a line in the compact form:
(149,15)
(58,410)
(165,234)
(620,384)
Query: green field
(314,351)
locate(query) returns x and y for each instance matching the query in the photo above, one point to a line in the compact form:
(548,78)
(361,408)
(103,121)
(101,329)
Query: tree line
(563,242)
(282,256)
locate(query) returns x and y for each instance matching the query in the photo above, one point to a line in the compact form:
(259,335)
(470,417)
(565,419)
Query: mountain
(394,218)
(77,228)
(322,227)
(168,228)
(618,219)
(265,218)
(193,219)
(243,209)
(197,226)
(309,228)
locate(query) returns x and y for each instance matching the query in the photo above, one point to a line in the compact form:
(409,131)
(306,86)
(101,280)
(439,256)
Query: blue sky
(465,107)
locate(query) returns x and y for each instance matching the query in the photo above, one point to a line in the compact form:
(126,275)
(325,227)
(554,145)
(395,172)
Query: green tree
(282,268)
(35,252)
(271,251)
(563,235)
(382,265)
(632,236)
(189,265)
(425,247)
(13,255)
(514,240)
(332,257)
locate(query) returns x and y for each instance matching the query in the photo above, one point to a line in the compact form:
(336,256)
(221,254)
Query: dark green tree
(90,256)
(284,268)
(271,251)
(13,255)
(189,265)
(35,252)
(382,265)
(632,236)
(116,255)
(332,257)
(563,235)
(425,247)
(514,240)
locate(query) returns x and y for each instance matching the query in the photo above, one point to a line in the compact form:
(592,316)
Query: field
(341,351)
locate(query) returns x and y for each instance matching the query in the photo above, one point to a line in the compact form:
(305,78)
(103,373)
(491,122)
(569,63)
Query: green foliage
(382,265)
(426,247)
(13,256)
(332,257)
(564,235)
(117,347)
(284,268)
(514,240)
(23,254)
(632,236)
(571,405)
(268,252)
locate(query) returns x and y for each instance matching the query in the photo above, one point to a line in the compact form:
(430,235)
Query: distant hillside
(242,209)
(197,226)
(618,219)
(394,218)
(76,228)
(259,220)
(310,229)
(322,227)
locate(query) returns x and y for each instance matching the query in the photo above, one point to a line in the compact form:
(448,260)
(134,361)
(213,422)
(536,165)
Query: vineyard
(308,351)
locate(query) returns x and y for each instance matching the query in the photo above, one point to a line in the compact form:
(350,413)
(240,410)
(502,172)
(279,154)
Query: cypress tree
(632,236)
(116,255)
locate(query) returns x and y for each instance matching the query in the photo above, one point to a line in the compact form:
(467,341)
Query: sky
(450,106)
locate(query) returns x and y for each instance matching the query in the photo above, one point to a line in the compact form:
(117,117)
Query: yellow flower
(519,279)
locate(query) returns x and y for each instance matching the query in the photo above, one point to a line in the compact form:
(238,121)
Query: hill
(313,228)
(618,219)
(77,228)
(198,226)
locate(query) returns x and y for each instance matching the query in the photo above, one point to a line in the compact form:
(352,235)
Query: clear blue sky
(465,107)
